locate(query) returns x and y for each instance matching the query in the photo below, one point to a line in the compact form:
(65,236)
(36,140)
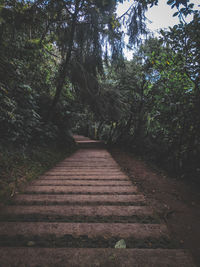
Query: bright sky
(161,16)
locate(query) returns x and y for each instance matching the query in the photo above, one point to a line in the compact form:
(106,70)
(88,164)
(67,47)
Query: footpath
(85,212)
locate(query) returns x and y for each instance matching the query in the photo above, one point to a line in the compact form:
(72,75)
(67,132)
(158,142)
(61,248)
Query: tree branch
(63,68)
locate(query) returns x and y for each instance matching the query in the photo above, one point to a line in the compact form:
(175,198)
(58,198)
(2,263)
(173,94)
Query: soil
(177,202)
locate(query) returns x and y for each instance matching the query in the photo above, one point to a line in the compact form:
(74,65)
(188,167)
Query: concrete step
(46,199)
(86,171)
(84,166)
(90,153)
(82,160)
(80,157)
(81,182)
(106,163)
(90,144)
(10,231)
(85,204)
(82,213)
(83,171)
(80,137)
(95,257)
(80,189)
(84,177)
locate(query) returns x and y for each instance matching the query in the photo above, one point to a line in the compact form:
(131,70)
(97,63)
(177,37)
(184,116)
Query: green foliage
(20,166)
(187,9)
(184,40)
(62,67)
(50,52)
(160,90)
(28,67)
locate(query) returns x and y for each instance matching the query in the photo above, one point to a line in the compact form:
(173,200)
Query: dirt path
(176,202)
(76,213)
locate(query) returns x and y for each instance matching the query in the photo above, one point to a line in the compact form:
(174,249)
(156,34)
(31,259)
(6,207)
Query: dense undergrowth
(17,167)
(62,67)
(154,102)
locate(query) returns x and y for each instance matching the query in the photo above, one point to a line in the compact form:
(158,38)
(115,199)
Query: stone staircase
(77,212)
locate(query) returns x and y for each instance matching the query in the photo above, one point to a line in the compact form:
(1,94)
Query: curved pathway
(76,213)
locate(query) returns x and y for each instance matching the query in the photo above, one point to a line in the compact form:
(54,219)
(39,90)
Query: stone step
(87,171)
(90,144)
(81,182)
(85,204)
(79,172)
(80,137)
(80,189)
(78,199)
(102,171)
(84,178)
(85,161)
(12,232)
(98,153)
(86,165)
(106,161)
(89,152)
(95,257)
(88,141)
(91,160)
(79,213)
(78,157)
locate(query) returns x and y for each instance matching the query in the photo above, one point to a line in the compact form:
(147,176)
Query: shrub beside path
(78,212)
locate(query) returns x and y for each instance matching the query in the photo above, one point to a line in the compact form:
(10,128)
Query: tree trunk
(64,65)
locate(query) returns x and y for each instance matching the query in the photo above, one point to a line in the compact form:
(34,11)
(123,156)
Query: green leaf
(170,2)
(191,6)
(120,244)
(175,14)
(183,9)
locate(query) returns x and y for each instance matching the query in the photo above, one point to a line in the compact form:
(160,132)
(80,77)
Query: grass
(20,166)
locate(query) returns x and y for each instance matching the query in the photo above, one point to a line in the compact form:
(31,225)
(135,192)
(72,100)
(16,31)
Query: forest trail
(75,214)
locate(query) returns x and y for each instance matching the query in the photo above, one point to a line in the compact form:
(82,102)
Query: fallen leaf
(120,244)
